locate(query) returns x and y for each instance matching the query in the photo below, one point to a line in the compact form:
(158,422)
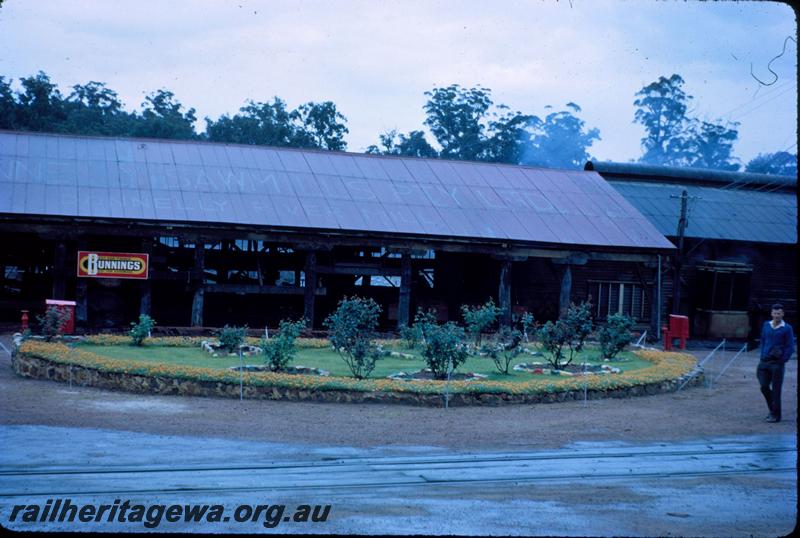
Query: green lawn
(328,359)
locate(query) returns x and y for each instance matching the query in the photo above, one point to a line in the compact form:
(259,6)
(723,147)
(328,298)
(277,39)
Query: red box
(678,328)
(69,306)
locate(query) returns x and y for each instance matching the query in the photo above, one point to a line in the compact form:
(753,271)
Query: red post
(667,338)
(24,320)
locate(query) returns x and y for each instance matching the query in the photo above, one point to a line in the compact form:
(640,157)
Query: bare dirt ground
(733,406)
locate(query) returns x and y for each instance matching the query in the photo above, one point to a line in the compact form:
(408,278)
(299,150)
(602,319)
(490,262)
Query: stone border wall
(40,368)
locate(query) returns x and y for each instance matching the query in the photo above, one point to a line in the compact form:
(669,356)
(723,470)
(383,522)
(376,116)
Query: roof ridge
(286,148)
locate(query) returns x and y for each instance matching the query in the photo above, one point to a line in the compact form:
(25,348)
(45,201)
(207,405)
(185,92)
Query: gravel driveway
(733,406)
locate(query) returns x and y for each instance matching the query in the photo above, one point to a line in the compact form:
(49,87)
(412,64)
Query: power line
(783,92)
(767,93)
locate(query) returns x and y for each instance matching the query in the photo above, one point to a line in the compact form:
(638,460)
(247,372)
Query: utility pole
(676,283)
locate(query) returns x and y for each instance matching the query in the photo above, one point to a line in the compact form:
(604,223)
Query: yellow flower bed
(123,340)
(190,341)
(666,366)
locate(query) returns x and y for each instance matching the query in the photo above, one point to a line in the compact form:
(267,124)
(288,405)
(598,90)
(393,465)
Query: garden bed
(59,362)
(318,353)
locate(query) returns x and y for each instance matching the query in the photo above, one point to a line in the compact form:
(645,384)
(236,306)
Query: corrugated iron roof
(716,213)
(698,176)
(166,180)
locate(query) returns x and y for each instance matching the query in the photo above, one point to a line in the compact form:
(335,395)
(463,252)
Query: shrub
(351,329)
(615,335)
(569,333)
(553,337)
(444,348)
(141,330)
(415,335)
(579,321)
(279,350)
(409,334)
(480,318)
(423,320)
(527,323)
(230,338)
(505,347)
(52,323)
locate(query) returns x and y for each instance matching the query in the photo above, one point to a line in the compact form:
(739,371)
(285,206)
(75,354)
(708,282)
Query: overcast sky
(375,59)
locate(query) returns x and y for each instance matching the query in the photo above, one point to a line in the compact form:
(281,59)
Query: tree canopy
(413,144)
(95,109)
(561,141)
(463,123)
(466,124)
(673,138)
(781,163)
(312,125)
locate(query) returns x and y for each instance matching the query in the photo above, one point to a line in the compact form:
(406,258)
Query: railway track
(345,474)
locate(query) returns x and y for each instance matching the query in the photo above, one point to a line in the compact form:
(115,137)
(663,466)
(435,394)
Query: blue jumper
(782,336)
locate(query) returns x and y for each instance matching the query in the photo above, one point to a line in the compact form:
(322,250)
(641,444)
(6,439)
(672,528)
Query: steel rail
(411,482)
(340,463)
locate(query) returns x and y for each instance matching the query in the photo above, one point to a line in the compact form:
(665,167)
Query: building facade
(245,234)
(738,253)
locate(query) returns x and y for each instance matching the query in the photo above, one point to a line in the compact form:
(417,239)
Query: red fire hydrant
(24,320)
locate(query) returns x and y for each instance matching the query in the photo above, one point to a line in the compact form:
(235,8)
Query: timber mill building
(738,255)
(204,234)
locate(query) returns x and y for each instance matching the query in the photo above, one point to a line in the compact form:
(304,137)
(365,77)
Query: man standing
(777,346)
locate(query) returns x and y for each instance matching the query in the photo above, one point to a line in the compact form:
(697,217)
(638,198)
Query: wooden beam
(404,302)
(574,258)
(504,293)
(511,258)
(566,292)
(352,269)
(255,289)
(59,271)
(621,257)
(316,240)
(310,290)
(81,293)
(199,292)
(145,302)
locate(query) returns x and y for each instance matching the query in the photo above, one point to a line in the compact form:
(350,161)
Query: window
(427,276)
(723,285)
(383,281)
(12,283)
(427,255)
(286,278)
(12,272)
(169,241)
(619,298)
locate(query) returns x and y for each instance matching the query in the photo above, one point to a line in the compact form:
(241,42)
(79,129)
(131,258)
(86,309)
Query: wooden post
(676,276)
(82,295)
(404,302)
(566,291)
(199,277)
(311,288)
(655,330)
(222,262)
(145,303)
(504,293)
(59,271)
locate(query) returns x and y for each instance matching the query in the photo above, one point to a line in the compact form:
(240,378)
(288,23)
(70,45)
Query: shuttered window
(614,297)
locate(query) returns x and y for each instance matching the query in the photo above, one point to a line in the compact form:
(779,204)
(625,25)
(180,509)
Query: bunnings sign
(112,265)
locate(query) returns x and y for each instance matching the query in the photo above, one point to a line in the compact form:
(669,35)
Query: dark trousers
(770,377)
